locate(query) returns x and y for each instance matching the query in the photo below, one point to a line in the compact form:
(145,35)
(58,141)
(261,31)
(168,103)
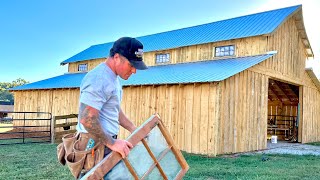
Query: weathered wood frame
(110,161)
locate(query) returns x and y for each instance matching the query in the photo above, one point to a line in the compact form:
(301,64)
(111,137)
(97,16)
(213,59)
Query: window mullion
(156,162)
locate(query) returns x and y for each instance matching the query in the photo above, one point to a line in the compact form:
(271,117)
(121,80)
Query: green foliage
(5,95)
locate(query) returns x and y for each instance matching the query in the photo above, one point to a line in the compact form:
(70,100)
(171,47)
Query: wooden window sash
(109,162)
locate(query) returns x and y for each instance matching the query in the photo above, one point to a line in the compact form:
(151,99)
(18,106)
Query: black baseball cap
(130,48)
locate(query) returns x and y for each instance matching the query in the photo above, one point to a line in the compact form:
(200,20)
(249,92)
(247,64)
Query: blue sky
(36,35)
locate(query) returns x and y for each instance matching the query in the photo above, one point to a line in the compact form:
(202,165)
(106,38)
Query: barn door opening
(283,108)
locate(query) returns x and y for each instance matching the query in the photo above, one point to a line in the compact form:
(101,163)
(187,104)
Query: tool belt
(72,151)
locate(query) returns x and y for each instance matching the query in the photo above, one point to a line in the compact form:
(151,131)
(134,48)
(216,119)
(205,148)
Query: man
(100,113)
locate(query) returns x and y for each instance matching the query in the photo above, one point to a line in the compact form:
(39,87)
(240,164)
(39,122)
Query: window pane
(162,58)
(119,171)
(140,165)
(82,67)
(170,165)
(157,142)
(154,175)
(224,50)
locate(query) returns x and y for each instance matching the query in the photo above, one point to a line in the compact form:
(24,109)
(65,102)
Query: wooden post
(53,124)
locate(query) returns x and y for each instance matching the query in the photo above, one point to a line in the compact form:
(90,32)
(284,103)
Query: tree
(7,96)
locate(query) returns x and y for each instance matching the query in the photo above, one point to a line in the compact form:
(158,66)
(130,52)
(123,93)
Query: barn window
(162,58)
(224,51)
(82,67)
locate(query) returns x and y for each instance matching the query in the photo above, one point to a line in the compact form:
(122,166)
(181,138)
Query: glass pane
(231,47)
(140,159)
(217,54)
(156,142)
(217,50)
(119,171)
(226,53)
(231,53)
(155,175)
(170,165)
(226,48)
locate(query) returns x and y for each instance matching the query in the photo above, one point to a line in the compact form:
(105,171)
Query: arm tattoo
(89,118)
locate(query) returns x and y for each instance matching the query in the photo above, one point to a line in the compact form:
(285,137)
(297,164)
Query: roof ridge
(168,39)
(207,23)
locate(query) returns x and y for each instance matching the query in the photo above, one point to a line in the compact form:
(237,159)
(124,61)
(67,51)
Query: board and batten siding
(242,121)
(289,62)
(243,47)
(288,65)
(206,118)
(55,101)
(310,124)
(73,67)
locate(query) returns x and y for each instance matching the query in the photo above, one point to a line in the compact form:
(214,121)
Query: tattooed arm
(89,118)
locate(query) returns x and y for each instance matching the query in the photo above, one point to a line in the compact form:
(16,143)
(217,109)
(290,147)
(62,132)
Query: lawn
(38,161)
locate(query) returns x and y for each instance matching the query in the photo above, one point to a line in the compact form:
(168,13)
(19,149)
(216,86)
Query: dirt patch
(20,133)
(4,127)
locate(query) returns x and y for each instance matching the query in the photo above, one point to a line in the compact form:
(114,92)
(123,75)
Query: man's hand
(121,146)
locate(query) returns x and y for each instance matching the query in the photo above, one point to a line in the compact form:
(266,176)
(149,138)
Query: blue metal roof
(201,71)
(240,27)
(70,80)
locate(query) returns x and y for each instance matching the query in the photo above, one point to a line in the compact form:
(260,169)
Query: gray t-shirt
(101,89)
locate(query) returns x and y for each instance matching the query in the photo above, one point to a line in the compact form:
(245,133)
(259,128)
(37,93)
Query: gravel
(283,147)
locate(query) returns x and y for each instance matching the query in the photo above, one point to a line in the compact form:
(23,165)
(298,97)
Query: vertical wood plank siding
(185,110)
(197,124)
(311,113)
(58,102)
(244,47)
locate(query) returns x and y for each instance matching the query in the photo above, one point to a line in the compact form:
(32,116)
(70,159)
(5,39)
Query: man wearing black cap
(100,95)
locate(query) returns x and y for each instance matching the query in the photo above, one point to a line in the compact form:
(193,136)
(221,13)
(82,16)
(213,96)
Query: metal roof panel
(240,27)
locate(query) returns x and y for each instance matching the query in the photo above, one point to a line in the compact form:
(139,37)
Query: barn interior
(283,111)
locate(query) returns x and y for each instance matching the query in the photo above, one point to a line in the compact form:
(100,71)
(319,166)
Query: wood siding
(189,112)
(208,118)
(310,124)
(289,62)
(57,102)
(243,47)
(242,121)
(73,67)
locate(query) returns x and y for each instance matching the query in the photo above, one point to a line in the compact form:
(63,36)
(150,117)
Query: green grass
(39,161)
(31,161)
(314,143)
(257,166)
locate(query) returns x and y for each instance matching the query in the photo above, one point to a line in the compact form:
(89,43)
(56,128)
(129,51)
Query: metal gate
(25,127)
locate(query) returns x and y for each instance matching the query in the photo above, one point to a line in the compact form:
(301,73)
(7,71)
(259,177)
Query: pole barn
(221,87)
